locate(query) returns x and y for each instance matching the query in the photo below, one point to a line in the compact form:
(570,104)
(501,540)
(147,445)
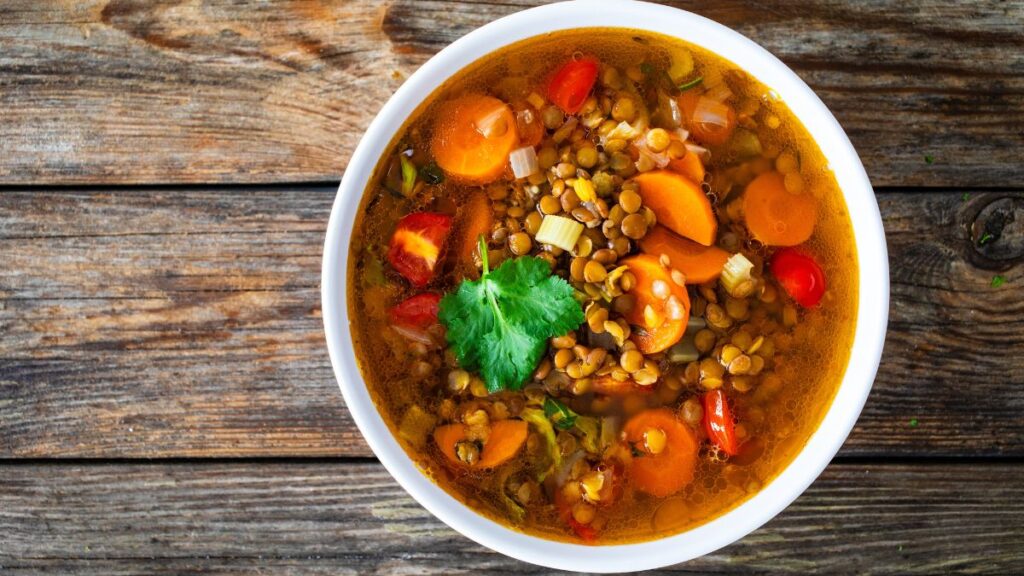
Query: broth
(802,352)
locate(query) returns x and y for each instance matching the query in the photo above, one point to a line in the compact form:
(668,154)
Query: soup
(602,286)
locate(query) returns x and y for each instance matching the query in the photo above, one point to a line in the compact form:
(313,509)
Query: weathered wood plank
(354,519)
(136,91)
(187,323)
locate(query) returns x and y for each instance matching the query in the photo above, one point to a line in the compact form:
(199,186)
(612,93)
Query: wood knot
(994,226)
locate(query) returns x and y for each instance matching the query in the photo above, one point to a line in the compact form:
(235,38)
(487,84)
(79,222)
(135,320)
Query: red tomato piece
(799,275)
(572,83)
(419,311)
(416,245)
(718,422)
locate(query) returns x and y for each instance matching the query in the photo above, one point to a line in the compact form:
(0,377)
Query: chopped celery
(539,421)
(563,417)
(559,231)
(736,278)
(416,424)
(588,427)
(408,176)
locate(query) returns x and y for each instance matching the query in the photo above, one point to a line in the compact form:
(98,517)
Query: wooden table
(166,401)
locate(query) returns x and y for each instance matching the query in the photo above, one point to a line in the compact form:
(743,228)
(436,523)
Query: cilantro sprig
(499,325)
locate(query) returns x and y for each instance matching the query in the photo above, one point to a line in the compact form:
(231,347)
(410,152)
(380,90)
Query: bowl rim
(873,291)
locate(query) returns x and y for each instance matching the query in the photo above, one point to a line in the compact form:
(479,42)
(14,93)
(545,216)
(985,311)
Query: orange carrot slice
(473,137)
(679,204)
(504,441)
(689,166)
(608,386)
(669,470)
(659,320)
(473,219)
(698,263)
(776,217)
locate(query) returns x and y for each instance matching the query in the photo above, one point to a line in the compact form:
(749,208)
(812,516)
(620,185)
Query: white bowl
(873,296)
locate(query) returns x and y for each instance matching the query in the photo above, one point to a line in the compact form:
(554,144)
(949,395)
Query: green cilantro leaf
(432,174)
(499,325)
(985,239)
(913,422)
(929,159)
(998,280)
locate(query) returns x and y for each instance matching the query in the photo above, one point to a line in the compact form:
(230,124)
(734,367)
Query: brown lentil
(520,243)
(629,201)
(634,226)
(594,272)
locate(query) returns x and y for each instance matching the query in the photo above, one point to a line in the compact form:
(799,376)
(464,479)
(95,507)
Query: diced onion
(660,160)
(736,274)
(677,114)
(703,153)
(524,162)
(494,124)
(719,93)
(624,131)
(559,231)
(683,134)
(413,334)
(710,111)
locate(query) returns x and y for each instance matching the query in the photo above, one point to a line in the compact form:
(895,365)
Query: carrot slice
(609,386)
(698,263)
(472,138)
(507,437)
(668,471)
(446,437)
(709,134)
(776,217)
(474,218)
(504,441)
(689,166)
(679,204)
(658,322)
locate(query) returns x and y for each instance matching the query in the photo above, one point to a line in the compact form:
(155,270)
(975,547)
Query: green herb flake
(965,197)
(929,159)
(432,174)
(998,280)
(691,84)
(408,176)
(500,324)
(985,239)
(563,416)
(913,422)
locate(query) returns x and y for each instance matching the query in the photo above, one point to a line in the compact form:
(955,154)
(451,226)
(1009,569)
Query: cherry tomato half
(417,244)
(417,311)
(718,422)
(799,275)
(572,83)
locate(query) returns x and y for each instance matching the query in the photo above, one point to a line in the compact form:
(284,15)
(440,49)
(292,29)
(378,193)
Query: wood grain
(354,519)
(156,323)
(138,91)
